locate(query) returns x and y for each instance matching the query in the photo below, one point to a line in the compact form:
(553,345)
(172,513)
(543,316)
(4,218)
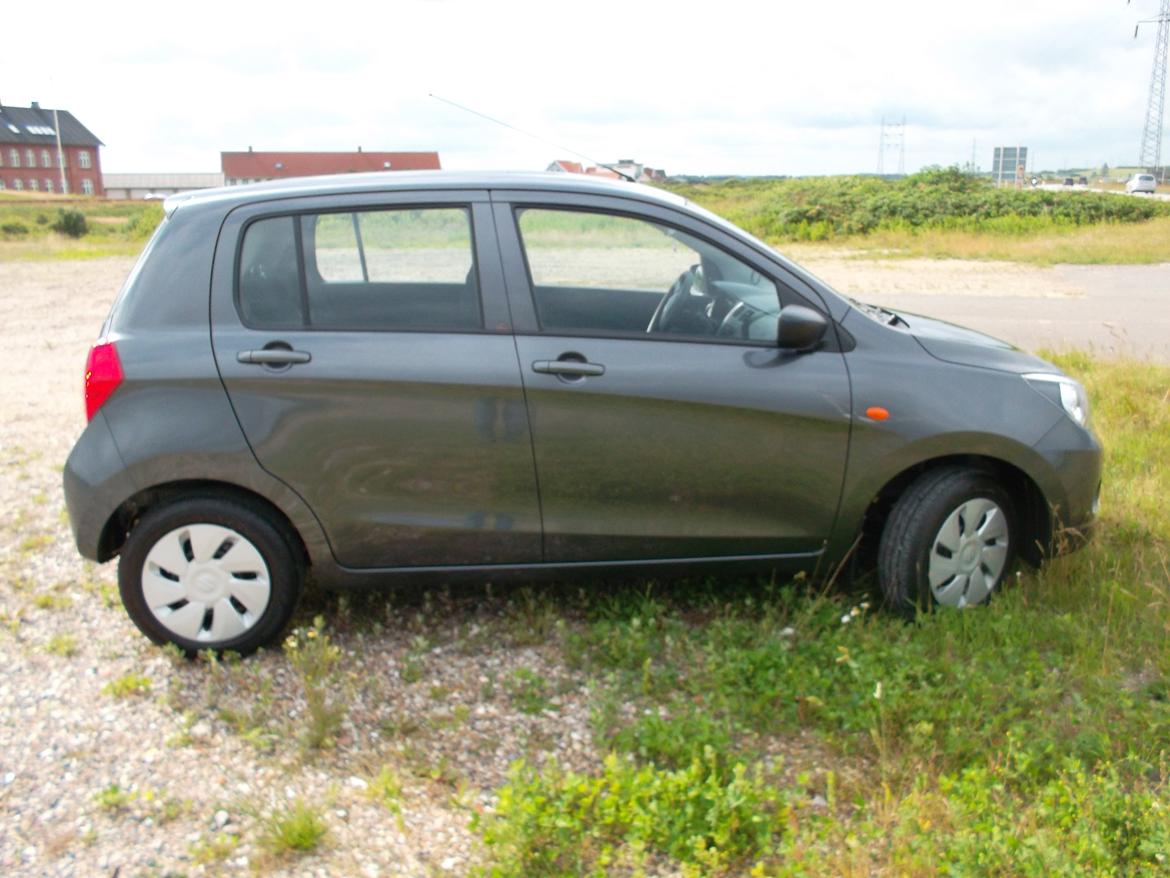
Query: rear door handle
(274,357)
(574,368)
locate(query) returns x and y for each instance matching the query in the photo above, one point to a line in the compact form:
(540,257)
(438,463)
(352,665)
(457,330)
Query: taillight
(103,374)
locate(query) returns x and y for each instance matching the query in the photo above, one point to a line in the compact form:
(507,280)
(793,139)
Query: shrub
(142,226)
(818,208)
(71,223)
(553,822)
(14,230)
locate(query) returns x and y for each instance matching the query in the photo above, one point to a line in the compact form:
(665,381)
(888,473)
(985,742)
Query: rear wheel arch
(120,522)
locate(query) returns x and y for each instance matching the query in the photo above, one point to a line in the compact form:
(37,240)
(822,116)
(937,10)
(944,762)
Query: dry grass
(1106,243)
(56,248)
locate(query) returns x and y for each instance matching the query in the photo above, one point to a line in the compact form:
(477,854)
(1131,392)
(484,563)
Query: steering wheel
(672,305)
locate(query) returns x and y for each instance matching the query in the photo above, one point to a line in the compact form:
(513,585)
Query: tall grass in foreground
(774,732)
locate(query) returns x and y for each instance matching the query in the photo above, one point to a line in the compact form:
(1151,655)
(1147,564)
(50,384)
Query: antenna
(1151,153)
(582,155)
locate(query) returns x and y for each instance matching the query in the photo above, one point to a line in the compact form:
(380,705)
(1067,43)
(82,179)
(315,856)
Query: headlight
(1063,391)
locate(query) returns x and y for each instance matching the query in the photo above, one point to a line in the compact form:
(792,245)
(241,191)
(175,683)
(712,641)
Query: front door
(666,422)
(355,354)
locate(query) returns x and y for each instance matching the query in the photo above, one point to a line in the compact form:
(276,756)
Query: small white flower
(846,619)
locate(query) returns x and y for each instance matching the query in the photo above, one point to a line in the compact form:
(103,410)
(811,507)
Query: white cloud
(731,87)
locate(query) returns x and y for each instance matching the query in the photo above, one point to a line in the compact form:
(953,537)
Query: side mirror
(800,329)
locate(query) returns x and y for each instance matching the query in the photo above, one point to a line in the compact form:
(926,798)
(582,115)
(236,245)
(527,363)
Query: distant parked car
(410,376)
(1068,181)
(1082,181)
(1141,183)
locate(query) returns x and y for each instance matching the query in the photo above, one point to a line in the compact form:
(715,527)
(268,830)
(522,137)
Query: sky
(725,87)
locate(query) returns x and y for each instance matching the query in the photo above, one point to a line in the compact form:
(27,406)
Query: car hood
(967,347)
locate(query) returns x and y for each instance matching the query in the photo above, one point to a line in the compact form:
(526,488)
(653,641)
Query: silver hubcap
(969,553)
(206,582)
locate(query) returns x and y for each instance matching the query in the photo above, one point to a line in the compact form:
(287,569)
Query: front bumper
(1075,457)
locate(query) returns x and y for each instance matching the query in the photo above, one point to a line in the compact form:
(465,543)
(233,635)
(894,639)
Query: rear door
(365,346)
(666,422)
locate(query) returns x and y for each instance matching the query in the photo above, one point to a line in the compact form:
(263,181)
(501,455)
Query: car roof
(391,181)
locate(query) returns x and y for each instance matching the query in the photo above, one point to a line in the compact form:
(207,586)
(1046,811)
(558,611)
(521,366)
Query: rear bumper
(95,481)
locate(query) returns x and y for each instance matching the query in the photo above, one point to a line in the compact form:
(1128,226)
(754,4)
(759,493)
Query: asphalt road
(1115,310)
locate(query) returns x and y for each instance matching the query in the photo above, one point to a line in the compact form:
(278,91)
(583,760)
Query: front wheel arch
(1034,514)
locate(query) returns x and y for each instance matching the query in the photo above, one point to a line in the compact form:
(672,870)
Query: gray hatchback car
(441,375)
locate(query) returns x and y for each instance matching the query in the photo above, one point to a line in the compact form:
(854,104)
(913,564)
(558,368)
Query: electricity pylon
(893,134)
(1151,155)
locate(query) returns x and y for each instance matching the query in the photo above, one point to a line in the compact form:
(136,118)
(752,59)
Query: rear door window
(396,269)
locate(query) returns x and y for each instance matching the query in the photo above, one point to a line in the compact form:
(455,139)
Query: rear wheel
(950,541)
(205,573)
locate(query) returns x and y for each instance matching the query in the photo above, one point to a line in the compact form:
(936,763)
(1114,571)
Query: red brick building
(252,167)
(28,152)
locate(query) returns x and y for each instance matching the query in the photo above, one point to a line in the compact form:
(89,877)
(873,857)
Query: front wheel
(205,573)
(950,541)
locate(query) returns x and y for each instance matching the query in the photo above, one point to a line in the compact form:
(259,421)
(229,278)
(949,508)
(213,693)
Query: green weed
(113,798)
(127,686)
(213,848)
(710,817)
(385,788)
(64,645)
(529,691)
(315,659)
(299,828)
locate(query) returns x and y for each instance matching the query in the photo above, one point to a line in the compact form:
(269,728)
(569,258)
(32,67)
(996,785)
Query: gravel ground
(117,758)
(178,773)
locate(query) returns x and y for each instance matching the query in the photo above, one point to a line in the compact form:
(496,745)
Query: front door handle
(273,357)
(572,368)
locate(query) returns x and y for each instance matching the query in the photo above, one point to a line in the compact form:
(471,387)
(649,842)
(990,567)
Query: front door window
(607,274)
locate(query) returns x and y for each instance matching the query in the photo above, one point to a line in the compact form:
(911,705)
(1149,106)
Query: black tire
(267,536)
(915,524)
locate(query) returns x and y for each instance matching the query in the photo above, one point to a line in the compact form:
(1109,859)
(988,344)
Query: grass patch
(529,691)
(214,848)
(32,230)
(705,817)
(297,829)
(129,685)
(1029,737)
(64,645)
